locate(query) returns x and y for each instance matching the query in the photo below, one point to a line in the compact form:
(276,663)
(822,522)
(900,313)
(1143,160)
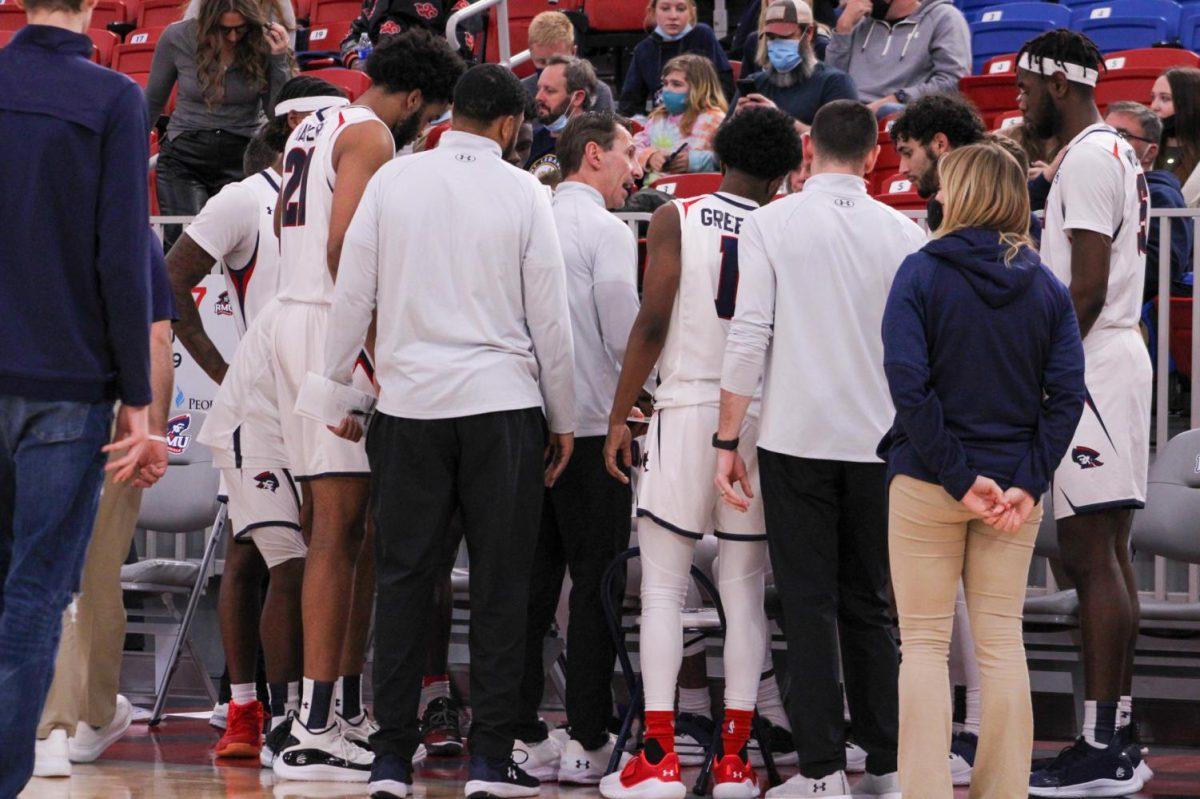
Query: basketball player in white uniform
(690,292)
(328,160)
(1094,240)
(236,231)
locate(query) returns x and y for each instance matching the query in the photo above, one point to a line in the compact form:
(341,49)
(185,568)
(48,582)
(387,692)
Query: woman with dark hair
(1175,97)
(228,64)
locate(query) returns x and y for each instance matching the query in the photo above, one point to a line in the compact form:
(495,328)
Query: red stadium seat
(610,16)
(889,160)
(991,94)
(692,184)
(737,69)
(1130,74)
(354,82)
(109,11)
(104,42)
(144,36)
(334,11)
(134,60)
(160,13)
(5,36)
(153,186)
(1007,120)
(899,192)
(12,16)
(327,36)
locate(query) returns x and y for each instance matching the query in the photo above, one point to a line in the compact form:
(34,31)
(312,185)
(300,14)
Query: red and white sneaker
(733,778)
(243,734)
(641,779)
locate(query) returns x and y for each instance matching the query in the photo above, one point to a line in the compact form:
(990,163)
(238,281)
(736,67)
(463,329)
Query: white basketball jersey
(689,369)
(255,281)
(1100,187)
(307,199)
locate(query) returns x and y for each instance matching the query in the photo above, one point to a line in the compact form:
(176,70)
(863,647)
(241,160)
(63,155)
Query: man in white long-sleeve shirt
(585,517)
(816,268)
(456,253)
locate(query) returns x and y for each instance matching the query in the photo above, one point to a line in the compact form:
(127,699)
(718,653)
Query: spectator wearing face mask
(899,50)
(679,133)
(747,46)
(793,80)
(676,32)
(551,33)
(566,88)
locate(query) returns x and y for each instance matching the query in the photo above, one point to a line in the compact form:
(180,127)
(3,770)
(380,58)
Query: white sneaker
(325,756)
(220,715)
(89,743)
(539,760)
(51,758)
(579,766)
(960,770)
(831,786)
(856,758)
(878,786)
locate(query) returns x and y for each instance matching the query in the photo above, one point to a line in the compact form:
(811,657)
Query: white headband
(1076,73)
(309,104)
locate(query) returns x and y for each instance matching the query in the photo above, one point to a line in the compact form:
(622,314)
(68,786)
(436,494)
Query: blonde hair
(984,187)
(649,24)
(551,27)
(704,89)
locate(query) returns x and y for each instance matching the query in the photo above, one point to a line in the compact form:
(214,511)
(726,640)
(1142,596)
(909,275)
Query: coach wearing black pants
(585,521)
(815,269)
(473,341)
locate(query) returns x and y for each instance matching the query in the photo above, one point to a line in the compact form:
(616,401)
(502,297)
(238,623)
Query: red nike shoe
(641,779)
(243,733)
(733,778)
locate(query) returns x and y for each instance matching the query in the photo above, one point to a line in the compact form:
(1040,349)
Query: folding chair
(702,620)
(182,502)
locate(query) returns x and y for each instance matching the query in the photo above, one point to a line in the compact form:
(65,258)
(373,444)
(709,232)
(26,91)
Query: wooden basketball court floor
(175,760)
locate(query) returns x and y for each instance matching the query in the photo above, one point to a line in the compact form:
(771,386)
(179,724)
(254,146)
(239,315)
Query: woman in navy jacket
(985,366)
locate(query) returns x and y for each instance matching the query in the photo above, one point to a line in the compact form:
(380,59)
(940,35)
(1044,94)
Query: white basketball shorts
(675,487)
(264,507)
(1105,466)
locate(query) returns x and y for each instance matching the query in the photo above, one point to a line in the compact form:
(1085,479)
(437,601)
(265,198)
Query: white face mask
(669,38)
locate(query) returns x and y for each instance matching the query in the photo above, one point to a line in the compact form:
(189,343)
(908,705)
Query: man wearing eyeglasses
(1141,127)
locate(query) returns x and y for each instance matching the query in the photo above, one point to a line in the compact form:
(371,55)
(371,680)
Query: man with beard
(928,129)
(328,160)
(793,80)
(552,33)
(1095,241)
(469,354)
(565,88)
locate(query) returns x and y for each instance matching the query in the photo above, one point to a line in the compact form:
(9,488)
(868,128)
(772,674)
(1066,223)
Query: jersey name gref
(689,368)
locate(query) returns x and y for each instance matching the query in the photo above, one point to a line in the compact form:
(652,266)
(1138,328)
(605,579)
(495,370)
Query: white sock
(1124,712)
(337,696)
(974,708)
(770,703)
(696,701)
(293,697)
(438,689)
(243,692)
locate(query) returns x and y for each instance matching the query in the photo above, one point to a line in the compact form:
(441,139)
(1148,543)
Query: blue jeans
(51,470)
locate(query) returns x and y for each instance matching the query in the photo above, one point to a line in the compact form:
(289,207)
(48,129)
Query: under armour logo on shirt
(818,786)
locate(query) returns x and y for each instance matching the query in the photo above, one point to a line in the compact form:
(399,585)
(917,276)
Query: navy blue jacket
(1165,192)
(644,77)
(74,266)
(985,366)
(803,100)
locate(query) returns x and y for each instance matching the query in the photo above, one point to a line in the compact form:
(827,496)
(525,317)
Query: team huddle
(516,364)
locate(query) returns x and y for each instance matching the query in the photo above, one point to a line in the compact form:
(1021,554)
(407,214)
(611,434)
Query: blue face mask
(674,102)
(784,54)
(557,125)
(668,38)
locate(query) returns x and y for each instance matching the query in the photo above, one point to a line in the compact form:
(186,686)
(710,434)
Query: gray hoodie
(926,52)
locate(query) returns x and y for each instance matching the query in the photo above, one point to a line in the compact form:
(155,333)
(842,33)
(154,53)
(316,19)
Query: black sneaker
(278,739)
(391,778)
(1082,770)
(779,742)
(693,735)
(440,729)
(962,757)
(498,777)
(1129,739)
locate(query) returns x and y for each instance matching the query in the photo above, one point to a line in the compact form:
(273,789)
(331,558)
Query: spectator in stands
(75,309)
(551,33)
(899,50)
(793,80)
(1142,128)
(279,11)
(380,18)
(678,135)
(928,129)
(968,458)
(1175,97)
(566,89)
(753,54)
(676,32)
(229,64)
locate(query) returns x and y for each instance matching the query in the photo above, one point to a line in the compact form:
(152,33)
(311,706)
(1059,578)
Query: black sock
(315,709)
(653,751)
(278,692)
(351,696)
(1106,721)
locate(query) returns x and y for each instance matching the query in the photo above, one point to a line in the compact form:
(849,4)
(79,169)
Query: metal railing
(505,42)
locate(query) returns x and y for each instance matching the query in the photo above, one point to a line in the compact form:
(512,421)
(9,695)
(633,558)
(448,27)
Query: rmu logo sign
(177,433)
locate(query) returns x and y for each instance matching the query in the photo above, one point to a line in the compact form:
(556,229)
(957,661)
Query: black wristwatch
(730,445)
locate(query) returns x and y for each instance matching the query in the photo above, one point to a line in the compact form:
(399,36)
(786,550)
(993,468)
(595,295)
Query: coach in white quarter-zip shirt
(815,272)
(456,252)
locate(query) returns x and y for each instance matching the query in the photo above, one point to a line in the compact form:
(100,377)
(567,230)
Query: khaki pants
(934,541)
(87,671)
